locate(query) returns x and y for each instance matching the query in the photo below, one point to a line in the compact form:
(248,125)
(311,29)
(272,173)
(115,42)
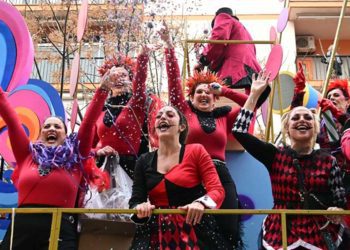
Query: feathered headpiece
(201,78)
(119,60)
(341,84)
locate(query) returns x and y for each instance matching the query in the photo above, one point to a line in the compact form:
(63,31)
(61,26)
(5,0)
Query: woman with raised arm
(49,173)
(301,177)
(176,176)
(208,125)
(120,127)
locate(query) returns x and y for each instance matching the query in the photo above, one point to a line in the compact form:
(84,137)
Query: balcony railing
(317,70)
(57,216)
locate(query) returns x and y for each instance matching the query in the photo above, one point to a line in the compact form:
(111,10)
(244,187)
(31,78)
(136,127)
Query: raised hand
(215,88)
(260,82)
(327,104)
(107,80)
(299,79)
(165,35)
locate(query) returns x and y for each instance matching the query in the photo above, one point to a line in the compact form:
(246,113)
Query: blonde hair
(285,122)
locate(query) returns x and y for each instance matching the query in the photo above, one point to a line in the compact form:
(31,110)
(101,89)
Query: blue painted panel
(253,184)
(53,94)
(8,55)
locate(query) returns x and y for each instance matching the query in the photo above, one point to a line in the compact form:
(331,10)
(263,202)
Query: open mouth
(302,127)
(51,138)
(164,126)
(204,101)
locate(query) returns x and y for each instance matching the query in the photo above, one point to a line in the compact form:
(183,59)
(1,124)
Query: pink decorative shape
(274,61)
(32,101)
(24,44)
(73,117)
(74,73)
(282,20)
(273,35)
(82,19)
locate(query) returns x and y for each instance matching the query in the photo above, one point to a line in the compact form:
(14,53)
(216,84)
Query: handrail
(57,215)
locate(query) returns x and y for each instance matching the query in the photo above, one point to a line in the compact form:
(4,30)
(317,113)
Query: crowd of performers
(188,169)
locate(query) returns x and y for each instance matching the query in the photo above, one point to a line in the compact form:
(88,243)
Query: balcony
(315,70)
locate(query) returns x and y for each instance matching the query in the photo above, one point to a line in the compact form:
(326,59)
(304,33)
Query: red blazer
(229,59)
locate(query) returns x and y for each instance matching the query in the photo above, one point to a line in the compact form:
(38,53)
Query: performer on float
(176,176)
(50,173)
(208,125)
(121,126)
(234,63)
(301,177)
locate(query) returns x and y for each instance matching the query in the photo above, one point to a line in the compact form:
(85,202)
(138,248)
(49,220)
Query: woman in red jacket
(208,125)
(176,176)
(49,173)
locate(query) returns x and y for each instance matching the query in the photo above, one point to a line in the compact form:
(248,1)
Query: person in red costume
(301,177)
(208,125)
(234,63)
(337,102)
(50,173)
(120,127)
(176,176)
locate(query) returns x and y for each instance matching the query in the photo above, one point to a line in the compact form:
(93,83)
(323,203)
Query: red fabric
(130,120)
(196,134)
(232,57)
(196,167)
(178,231)
(60,187)
(345,144)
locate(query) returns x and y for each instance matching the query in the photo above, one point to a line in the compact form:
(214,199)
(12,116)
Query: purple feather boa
(65,156)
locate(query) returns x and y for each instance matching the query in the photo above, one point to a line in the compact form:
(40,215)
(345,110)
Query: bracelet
(201,202)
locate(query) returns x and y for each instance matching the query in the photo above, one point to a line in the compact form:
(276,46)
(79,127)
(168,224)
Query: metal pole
(335,46)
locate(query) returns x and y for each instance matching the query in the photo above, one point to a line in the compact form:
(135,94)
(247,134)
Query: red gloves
(327,104)
(299,80)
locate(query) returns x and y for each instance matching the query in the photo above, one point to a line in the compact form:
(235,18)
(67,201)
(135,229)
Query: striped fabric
(331,127)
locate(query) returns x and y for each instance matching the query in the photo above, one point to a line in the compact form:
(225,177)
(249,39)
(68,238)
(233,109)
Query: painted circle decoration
(282,20)
(311,97)
(8,55)
(287,92)
(31,125)
(11,17)
(246,203)
(274,61)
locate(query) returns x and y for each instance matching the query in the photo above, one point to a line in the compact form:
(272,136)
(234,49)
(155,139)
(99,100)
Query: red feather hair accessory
(201,78)
(119,60)
(341,84)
